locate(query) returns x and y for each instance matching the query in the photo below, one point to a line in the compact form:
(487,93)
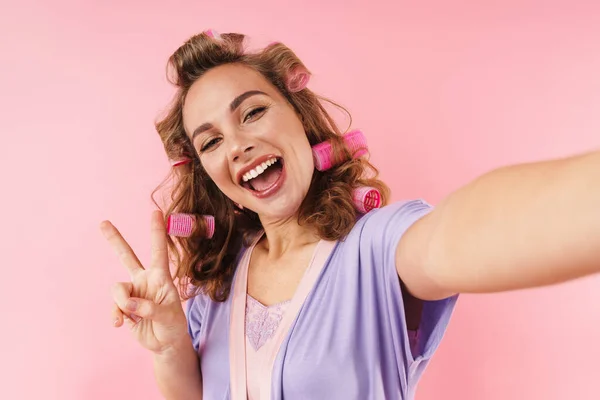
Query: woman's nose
(239,152)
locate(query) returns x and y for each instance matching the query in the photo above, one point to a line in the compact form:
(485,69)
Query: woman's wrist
(176,351)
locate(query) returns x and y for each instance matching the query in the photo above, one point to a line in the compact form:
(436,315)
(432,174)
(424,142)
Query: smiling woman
(298,292)
(250,145)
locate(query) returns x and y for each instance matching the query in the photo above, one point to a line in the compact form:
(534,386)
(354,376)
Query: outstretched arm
(516,227)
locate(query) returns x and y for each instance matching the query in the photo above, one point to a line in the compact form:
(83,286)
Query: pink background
(444,90)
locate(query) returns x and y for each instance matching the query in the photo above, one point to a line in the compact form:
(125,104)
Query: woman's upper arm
(413,260)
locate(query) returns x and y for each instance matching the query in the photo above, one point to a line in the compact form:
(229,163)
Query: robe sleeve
(381,233)
(195,308)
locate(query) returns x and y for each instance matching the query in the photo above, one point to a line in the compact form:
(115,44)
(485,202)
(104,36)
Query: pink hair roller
(298,80)
(366,198)
(212,34)
(355,141)
(182,225)
(180,161)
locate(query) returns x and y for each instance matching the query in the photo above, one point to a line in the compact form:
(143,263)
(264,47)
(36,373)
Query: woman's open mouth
(266,178)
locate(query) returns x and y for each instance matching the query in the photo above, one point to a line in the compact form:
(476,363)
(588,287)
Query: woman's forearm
(178,373)
(520,226)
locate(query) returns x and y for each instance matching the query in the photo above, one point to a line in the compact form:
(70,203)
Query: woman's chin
(279,212)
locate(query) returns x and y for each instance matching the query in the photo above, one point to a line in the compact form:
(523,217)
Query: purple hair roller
(182,225)
(366,198)
(355,141)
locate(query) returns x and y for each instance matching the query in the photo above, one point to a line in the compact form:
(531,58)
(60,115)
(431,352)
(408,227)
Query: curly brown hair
(209,265)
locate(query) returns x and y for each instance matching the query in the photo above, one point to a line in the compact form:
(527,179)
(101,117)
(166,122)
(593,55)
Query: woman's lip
(273,188)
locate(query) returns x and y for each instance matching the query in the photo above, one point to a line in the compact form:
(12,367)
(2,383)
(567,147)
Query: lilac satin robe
(349,340)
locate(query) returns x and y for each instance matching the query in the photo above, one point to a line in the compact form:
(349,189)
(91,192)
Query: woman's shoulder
(379,231)
(389,216)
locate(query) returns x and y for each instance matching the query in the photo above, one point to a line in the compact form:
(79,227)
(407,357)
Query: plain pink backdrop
(445,91)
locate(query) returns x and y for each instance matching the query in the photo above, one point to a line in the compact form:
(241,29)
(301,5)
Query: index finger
(121,248)
(159,257)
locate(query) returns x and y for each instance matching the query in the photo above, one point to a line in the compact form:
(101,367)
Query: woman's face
(250,141)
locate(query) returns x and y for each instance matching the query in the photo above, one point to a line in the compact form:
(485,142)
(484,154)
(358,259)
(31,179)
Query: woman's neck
(284,237)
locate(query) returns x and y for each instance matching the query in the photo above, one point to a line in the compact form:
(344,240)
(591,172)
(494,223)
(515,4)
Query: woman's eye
(209,144)
(254,113)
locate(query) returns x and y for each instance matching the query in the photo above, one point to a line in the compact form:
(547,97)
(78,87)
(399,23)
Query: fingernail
(116,321)
(132,305)
(135,318)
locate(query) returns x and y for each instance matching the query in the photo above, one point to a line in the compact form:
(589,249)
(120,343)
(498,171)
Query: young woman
(299,294)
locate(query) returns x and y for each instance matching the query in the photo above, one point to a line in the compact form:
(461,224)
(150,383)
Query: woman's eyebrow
(232,107)
(239,100)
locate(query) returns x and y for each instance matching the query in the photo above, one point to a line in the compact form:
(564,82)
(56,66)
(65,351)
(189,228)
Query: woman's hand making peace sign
(150,302)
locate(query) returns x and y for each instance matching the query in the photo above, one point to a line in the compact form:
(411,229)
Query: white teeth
(259,169)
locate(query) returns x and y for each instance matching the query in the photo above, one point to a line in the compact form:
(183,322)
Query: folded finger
(117,316)
(121,292)
(131,319)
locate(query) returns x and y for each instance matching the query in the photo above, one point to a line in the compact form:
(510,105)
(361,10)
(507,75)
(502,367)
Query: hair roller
(212,34)
(182,225)
(366,198)
(322,152)
(180,161)
(297,80)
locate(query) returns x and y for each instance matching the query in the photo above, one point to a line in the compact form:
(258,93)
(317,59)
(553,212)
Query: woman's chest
(272,283)
(318,355)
